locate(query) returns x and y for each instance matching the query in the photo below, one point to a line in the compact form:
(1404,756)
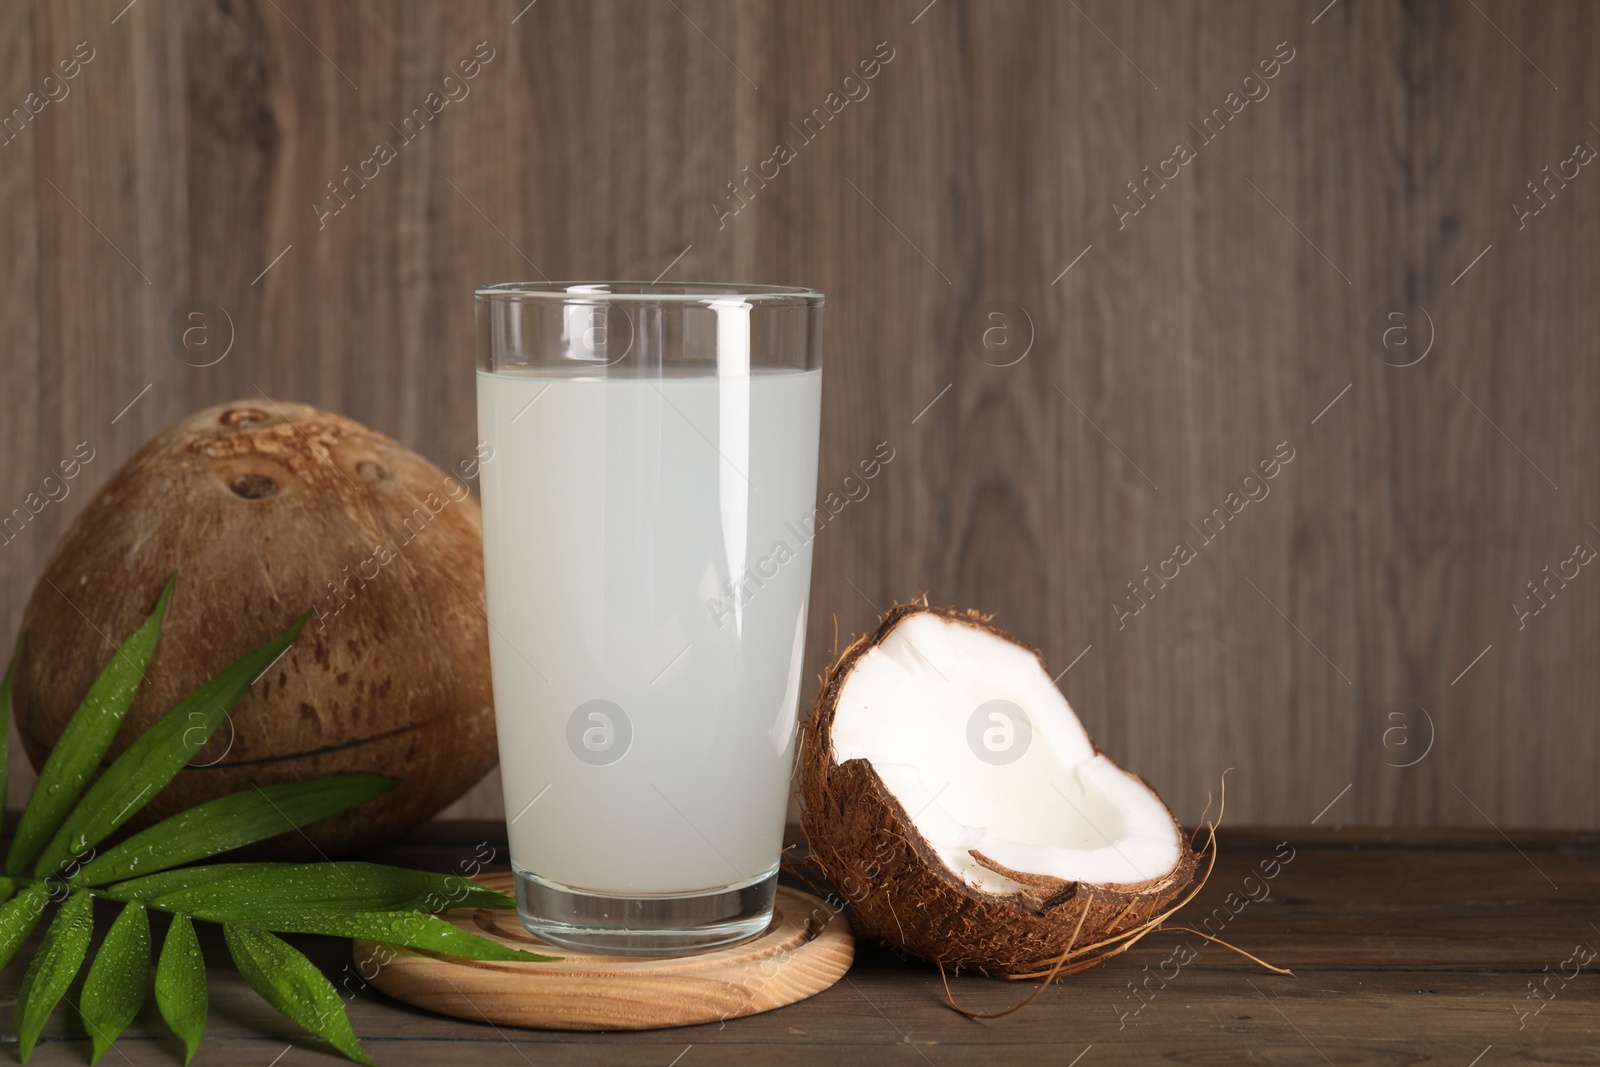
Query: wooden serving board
(807,948)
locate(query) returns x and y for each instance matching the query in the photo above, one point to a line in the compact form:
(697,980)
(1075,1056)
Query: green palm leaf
(158,754)
(292,984)
(113,992)
(230,822)
(242,890)
(53,968)
(181,984)
(85,740)
(413,929)
(18,917)
(373,902)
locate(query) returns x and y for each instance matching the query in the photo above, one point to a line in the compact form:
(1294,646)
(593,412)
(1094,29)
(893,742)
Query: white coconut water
(647,555)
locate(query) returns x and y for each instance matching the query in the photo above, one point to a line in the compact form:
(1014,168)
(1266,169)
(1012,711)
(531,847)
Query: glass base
(679,924)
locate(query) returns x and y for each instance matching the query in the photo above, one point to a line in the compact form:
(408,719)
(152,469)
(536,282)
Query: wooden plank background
(1408,947)
(1360,615)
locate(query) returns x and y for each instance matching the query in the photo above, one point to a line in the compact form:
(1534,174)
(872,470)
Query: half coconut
(953,796)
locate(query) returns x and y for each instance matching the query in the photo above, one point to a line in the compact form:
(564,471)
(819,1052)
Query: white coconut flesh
(1058,809)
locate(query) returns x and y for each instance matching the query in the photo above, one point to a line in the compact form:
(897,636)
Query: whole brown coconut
(267,510)
(901,889)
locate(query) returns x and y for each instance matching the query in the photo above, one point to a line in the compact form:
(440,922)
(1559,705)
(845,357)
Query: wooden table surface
(1408,947)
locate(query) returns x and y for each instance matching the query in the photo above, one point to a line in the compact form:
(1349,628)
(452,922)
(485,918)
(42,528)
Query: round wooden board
(807,948)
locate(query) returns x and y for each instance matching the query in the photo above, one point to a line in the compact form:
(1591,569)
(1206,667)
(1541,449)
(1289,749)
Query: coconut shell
(267,510)
(901,893)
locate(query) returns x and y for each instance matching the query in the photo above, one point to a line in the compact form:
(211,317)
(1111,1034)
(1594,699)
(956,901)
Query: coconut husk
(266,510)
(902,894)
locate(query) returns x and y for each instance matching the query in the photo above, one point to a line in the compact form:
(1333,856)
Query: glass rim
(651,292)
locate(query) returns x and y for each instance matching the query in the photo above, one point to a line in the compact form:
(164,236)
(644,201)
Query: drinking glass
(649,491)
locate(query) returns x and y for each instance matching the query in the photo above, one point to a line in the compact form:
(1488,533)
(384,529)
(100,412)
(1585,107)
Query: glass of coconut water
(649,483)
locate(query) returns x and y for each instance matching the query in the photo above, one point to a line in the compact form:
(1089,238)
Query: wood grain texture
(1326,624)
(1409,947)
(806,950)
